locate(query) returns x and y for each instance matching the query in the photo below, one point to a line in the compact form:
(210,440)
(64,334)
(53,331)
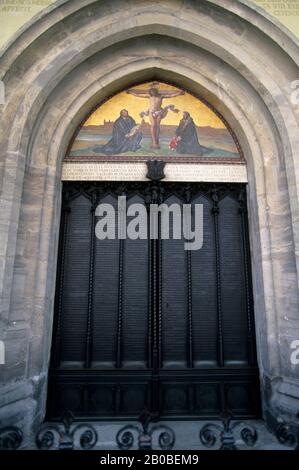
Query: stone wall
(14,14)
(78,54)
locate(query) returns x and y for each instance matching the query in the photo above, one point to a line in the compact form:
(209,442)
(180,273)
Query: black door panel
(146,323)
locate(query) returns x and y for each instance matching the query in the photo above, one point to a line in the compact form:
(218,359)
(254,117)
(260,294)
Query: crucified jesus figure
(155,112)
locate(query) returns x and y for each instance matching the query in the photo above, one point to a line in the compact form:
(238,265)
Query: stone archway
(75,55)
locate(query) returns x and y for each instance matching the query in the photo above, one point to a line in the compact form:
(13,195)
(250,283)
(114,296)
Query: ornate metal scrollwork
(288,435)
(10,438)
(63,436)
(211,433)
(126,436)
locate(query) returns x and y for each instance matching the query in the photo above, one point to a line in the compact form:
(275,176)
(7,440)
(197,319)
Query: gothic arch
(76,54)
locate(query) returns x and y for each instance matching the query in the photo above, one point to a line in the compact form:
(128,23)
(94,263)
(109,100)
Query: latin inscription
(137,172)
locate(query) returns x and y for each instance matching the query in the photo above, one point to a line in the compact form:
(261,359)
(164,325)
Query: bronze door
(146,324)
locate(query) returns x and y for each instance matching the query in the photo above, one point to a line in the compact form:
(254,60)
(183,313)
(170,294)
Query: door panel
(135,301)
(233,300)
(204,293)
(174,295)
(145,323)
(105,298)
(75,282)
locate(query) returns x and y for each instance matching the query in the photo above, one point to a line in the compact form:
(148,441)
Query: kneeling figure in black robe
(122,140)
(187,137)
